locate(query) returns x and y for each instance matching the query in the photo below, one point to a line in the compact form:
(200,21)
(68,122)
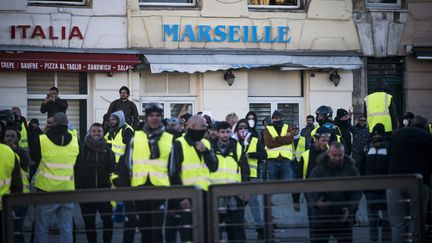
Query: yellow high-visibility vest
(56,169)
(24,176)
(377,105)
(285,151)
(305,156)
(300,148)
(23,142)
(117,145)
(194,171)
(7,164)
(253,163)
(143,167)
(228,168)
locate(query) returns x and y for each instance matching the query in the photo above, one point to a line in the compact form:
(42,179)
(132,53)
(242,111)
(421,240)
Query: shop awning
(202,63)
(66,61)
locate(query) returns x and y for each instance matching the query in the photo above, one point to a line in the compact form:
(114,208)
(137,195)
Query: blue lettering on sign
(220,34)
(167,31)
(230,33)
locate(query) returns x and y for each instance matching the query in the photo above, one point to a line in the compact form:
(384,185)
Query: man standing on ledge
(128,107)
(53,104)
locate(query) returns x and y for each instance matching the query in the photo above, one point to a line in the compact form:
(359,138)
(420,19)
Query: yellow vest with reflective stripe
(228,168)
(194,171)
(56,169)
(143,167)
(300,148)
(253,163)
(377,105)
(24,176)
(7,164)
(305,156)
(284,150)
(23,142)
(117,145)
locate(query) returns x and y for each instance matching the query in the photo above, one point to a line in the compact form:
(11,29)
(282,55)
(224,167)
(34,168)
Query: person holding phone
(53,104)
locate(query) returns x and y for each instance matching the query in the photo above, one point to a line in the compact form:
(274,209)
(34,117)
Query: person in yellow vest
(191,162)
(254,154)
(380,108)
(278,141)
(306,131)
(12,138)
(299,143)
(308,160)
(232,168)
(59,150)
(10,175)
(118,139)
(150,150)
(21,127)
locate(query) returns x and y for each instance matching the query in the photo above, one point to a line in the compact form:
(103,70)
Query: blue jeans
(398,210)
(44,213)
(279,169)
(255,207)
(376,202)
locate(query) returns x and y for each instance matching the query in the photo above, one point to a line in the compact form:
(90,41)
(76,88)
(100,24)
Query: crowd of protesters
(195,149)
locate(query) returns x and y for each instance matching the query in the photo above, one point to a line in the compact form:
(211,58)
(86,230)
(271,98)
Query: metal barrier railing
(173,193)
(410,184)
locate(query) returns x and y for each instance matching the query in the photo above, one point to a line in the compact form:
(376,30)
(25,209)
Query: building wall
(103,25)
(417,34)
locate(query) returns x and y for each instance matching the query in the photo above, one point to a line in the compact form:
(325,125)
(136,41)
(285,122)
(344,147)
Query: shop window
(385,4)
(274,3)
(173,106)
(65,2)
(290,107)
(167,2)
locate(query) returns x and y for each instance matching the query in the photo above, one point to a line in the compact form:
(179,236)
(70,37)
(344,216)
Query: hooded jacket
(129,109)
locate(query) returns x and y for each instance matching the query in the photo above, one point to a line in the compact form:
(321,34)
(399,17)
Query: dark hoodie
(59,135)
(348,199)
(253,129)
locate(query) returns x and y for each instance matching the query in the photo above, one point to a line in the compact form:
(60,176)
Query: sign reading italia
(31,32)
(229,33)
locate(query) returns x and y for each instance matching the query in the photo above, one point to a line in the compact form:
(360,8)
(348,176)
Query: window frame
(274,101)
(62,2)
(165,4)
(396,5)
(274,7)
(167,101)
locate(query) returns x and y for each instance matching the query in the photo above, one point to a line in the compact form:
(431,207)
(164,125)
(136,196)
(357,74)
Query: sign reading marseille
(227,33)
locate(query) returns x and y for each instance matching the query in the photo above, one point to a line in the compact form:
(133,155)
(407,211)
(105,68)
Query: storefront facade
(78,46)
(281,56)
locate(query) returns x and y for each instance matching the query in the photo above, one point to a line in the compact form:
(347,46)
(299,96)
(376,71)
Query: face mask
(196,135)
(405,122)
(251,123)
(277,123)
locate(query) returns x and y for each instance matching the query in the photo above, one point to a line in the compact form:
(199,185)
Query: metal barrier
(105,195)
(411,184)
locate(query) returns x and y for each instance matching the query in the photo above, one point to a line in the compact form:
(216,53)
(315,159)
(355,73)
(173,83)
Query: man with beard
(129,108)
(360,138)
(53,103)
(306,131)
(12,138)
(94,165)
(279,146)
(232,168)
(333,211)
(191,162)
(151,149)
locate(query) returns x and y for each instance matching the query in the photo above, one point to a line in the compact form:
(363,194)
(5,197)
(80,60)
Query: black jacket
(129,109)
(411,152)
(53,107)
(93,168)
(348,199)
(375,159)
